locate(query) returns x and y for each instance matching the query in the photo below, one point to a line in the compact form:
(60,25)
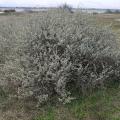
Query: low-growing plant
(53,53)
(69,52)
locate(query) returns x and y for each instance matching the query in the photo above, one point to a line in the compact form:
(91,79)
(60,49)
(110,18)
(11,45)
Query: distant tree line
(109,11)
(10,10)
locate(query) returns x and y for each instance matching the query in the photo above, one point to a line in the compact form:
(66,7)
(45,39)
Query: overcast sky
(75,3)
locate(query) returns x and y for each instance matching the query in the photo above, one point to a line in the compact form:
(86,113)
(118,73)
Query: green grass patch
(101,105)
(48,115)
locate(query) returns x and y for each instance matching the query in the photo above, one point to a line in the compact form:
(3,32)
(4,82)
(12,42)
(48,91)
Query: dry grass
(111,20)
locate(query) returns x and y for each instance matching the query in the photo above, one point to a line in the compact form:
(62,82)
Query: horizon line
(55,7)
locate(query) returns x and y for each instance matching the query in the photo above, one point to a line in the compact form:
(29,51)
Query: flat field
(110,20)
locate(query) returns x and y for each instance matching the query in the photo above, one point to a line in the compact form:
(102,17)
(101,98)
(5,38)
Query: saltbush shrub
(68,52)
(53,53)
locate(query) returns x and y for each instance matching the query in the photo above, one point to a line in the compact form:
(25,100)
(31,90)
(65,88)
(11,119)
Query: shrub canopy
(56,52)
(69,51)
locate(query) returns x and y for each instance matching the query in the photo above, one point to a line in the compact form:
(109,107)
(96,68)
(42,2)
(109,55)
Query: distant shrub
(66,7)
(9,11)
(117,11)
(112,11)
(108,11)
(95,13)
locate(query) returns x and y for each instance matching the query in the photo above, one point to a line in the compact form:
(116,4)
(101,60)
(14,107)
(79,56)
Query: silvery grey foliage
(68,51)
(51,53)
